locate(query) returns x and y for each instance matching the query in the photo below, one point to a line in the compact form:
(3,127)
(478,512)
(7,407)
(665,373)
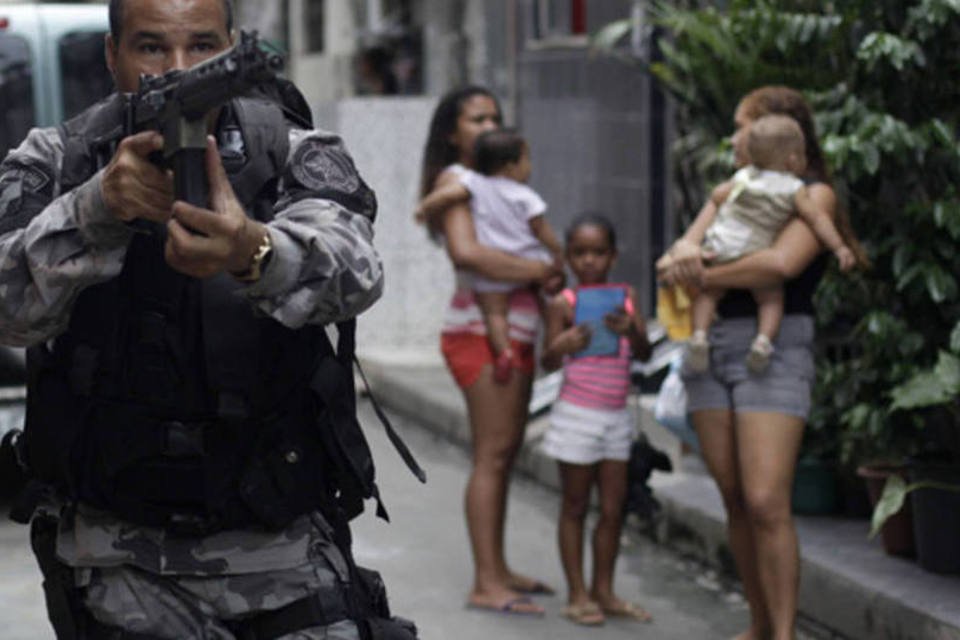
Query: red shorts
(468,353)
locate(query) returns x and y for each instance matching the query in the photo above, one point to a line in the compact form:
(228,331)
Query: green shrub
(884,80)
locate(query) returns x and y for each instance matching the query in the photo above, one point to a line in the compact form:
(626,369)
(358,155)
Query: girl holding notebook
(593,330)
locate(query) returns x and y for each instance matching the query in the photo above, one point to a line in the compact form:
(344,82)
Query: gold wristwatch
(258,261)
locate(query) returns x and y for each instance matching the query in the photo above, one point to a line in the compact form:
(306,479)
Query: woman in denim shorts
(750,425)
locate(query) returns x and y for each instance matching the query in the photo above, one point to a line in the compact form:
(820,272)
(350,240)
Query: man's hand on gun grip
(133,187)
(204,242)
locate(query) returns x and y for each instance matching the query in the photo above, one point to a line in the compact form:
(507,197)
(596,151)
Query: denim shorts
(784,387)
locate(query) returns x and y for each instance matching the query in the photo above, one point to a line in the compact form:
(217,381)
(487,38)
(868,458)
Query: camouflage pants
(199,608)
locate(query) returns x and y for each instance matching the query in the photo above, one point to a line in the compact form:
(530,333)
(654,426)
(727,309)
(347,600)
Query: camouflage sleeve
(324,267)
(52,245)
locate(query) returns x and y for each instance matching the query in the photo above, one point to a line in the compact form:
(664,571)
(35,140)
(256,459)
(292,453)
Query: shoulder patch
(33,178)
(25,189)
(319,166)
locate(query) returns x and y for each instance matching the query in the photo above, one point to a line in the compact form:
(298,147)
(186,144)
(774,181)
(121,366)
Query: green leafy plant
(895,492)
(882,78)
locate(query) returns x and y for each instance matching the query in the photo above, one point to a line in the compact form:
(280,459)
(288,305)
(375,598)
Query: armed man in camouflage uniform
(110,363)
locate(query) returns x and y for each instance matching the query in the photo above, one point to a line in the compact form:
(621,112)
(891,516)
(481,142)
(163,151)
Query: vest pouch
(145,470)
(283,477)
(54,421)
(377,622)
(350,457)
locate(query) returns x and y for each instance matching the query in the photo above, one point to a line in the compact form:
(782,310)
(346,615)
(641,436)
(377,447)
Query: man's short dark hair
(496,149)
(116,18)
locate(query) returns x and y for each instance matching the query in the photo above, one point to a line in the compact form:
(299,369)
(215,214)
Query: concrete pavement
(423,555)
(22,612)
(849,587)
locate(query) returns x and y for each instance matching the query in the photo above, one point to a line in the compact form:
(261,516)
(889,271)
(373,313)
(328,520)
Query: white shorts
(580,435)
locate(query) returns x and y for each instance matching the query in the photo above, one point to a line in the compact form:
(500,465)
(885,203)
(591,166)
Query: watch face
(258,261)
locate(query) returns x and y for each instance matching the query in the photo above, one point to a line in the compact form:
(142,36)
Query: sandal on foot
(629,610)
(587,614)
(520,606)
(758,359)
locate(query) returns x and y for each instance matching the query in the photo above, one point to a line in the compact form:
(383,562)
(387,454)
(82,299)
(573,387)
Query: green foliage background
(883,77)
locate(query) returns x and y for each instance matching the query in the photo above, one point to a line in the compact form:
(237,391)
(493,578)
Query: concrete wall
(386,138)
(591,130)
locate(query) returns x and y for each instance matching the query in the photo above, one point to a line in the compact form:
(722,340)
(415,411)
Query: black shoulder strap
(352,459)
(395,439)
(287,96)
(346,353)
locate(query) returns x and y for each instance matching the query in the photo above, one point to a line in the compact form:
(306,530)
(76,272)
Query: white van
(51,65)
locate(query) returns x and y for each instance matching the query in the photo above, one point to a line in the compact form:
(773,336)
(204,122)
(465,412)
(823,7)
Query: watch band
(257,261)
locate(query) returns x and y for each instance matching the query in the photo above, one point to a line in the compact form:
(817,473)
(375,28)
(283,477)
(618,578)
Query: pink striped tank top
(597,382)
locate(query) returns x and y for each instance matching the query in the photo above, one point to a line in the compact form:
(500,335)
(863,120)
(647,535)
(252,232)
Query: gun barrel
(225,76)
(193,92)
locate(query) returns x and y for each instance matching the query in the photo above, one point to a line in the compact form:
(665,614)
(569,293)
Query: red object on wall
(578,16)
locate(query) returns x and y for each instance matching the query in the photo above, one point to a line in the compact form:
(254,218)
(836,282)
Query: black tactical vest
(169,402)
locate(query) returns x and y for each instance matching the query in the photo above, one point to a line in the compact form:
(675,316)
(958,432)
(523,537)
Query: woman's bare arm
(791,253)
(467,253)
(441,199)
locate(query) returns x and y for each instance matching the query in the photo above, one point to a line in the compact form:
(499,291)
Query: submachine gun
(177,104)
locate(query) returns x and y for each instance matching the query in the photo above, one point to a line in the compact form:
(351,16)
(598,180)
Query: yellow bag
(674,311)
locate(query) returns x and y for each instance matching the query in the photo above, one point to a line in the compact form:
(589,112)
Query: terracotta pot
(897,533)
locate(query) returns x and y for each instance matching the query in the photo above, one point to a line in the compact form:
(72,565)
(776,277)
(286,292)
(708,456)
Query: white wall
(386,138)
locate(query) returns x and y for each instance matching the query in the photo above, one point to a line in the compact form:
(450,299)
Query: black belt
(320,609)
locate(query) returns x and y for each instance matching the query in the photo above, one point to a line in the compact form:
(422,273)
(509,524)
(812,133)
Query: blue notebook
(593,303)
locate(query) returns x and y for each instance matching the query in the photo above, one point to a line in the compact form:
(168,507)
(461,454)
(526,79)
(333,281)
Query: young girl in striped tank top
(591,428)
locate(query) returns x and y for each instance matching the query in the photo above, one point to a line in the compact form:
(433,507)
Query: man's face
(160,35)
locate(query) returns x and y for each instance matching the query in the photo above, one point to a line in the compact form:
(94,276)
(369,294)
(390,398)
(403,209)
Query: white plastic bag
(670,409)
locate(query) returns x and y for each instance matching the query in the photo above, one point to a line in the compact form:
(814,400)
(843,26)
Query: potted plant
(934,474)
(937,520)
(816,480)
